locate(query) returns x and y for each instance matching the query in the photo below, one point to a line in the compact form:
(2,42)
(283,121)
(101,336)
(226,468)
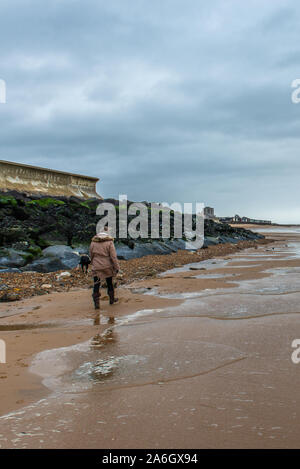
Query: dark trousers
(97,285)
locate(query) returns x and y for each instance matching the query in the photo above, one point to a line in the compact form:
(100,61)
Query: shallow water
(236,305)
(212,276)
(290,230)
(206,265)
(127,354)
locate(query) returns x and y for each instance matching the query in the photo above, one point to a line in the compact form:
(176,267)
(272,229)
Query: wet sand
(62,320)
(195,358)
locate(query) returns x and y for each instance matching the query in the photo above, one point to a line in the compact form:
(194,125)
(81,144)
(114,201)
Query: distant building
(209,212)
(244,220)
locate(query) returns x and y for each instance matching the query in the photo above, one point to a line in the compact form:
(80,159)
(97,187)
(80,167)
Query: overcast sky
(163,100)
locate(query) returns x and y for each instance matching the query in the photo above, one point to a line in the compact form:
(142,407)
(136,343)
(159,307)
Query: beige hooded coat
(103,256)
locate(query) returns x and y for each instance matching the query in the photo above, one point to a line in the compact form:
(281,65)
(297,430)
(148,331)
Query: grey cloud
(174,101)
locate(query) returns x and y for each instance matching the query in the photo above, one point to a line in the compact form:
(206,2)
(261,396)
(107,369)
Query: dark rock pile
(45,234)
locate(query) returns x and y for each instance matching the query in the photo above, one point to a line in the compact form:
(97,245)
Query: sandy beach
(198,356)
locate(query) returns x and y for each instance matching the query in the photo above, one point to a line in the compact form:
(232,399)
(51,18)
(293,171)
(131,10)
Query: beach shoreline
(63,319)
(34,323)
(20,286)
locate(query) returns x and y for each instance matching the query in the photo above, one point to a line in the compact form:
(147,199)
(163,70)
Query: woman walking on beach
(105,265)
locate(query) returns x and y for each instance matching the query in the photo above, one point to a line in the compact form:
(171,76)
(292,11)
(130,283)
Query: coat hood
(102,237)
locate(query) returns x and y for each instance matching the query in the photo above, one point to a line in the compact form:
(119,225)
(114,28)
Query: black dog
(85,262)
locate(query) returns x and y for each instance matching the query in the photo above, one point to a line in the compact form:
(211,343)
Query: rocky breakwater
(43,234)
(214,234)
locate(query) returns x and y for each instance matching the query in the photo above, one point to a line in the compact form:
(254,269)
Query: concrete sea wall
(36,180)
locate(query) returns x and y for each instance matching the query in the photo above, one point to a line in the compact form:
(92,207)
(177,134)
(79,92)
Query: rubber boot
(96,298)
(112,298)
